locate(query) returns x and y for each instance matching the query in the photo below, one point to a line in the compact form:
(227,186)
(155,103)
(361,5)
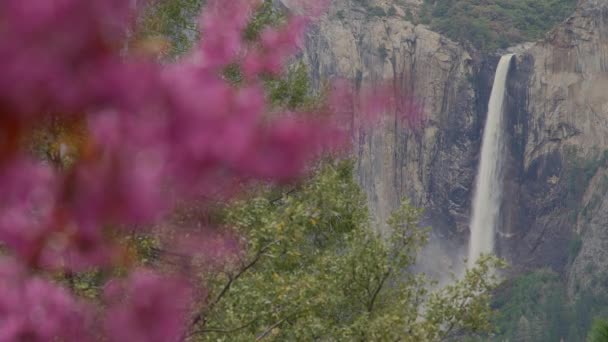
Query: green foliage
(494,24)
(376,11)
(537,298)
(530,296)
(313,269)
(586,308)
(579,171)
(409,16)
(534,307)
(574,247)
(173,21)
(88,284)
(265,16)
(292,90)
(599,331)
(136,248)
(465,303)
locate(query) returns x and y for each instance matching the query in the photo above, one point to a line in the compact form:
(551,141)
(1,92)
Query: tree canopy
(314,269)
(492,24)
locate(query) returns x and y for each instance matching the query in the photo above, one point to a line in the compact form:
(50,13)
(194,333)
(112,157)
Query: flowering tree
(152,136)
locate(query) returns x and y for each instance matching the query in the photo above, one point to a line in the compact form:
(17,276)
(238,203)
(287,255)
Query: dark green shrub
(599,331)
(408,15)
(376,11)
(574,247)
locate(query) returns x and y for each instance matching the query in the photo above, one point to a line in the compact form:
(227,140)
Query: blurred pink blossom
(156,135)
(147,307)
(33,309)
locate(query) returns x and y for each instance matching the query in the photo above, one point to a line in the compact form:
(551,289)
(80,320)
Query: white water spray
(488,188)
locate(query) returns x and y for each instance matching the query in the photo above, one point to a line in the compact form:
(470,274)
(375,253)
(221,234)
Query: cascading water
(488,188)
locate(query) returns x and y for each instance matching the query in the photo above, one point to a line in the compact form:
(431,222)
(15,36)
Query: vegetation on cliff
(494,23)
(536,307)
(488,25)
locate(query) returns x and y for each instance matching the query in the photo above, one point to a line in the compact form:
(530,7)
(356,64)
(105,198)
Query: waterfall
(488,187)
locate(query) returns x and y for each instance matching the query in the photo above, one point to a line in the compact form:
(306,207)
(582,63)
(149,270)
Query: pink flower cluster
(156,134)
(33,309)
(147,307)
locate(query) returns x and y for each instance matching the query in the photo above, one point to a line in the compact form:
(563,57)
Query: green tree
(313,269)
(541,299)
(598,332)
(524,331)
(170,25)
(492,24)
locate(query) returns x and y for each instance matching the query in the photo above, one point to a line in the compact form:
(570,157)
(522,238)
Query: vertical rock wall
(554,213)
(434,166)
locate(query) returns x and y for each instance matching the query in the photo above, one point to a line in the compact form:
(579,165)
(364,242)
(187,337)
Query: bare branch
(272,327)
(274,200)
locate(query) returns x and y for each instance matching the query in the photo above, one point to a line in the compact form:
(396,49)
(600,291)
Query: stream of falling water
(488,187)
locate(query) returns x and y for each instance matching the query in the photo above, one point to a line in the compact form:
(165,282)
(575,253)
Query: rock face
(555,208)
(432,164)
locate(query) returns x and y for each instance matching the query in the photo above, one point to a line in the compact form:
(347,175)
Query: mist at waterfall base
(489,180)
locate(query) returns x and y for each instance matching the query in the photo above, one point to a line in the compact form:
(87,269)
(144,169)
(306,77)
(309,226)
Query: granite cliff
(555,207)
(433,164)
(555,214)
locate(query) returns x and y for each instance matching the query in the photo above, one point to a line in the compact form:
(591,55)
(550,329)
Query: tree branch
(370,307)
(225,331)
(453,319)
(274,200)
(231,279)
(272,327)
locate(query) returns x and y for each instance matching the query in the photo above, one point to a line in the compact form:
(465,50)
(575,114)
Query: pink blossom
(76,248)
(276,45)
(354,108)
(156,135)
(147,307)
(49,51)
(26,207)
(222,26)
(33,309)
(206,248)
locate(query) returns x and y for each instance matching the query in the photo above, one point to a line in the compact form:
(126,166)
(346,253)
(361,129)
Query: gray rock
(433,165)
(557,118)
